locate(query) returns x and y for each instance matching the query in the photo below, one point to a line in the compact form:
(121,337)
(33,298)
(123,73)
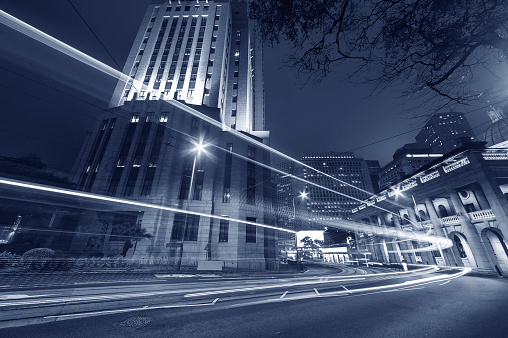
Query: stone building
(146,153)
(183,139)
(462,196)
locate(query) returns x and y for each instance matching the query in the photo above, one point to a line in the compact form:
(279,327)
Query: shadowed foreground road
(462,307)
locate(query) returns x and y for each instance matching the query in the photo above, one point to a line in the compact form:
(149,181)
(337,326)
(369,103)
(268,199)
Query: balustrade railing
(481,215)
(450,220)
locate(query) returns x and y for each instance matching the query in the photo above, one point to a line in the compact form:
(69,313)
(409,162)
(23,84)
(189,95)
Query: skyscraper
(202,52)
(445,132)
(195,73)
(356,182)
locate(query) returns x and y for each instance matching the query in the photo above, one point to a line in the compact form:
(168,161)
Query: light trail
(62,47)
(62,191)
(48,40)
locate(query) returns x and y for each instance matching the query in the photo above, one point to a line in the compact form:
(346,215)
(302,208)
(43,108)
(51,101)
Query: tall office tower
(445,132)
(406,160)
(353,172)
(202,52)
(290,206)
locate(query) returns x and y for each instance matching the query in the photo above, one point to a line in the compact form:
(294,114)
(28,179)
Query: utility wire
(91,30)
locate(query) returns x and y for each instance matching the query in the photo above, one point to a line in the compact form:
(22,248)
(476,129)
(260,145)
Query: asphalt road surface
(355,303)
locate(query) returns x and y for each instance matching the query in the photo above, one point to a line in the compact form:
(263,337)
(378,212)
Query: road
(352,303)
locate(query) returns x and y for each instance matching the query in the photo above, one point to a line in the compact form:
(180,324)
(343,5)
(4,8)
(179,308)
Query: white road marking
(316,291)
(215,300)
(22,296)
(284,295)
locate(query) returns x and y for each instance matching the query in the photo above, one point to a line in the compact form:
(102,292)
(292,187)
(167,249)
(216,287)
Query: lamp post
(198,149)
(303,195)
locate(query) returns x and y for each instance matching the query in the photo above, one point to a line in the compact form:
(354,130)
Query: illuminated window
(149,117)
(137,162)
(164,117)
(135,118)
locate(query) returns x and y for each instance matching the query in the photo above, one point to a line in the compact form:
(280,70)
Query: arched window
(442,211)
(423,215)
(459,246)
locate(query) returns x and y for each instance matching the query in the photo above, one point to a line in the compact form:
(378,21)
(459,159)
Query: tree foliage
(440,49)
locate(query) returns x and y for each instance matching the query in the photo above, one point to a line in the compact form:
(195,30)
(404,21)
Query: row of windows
(186,227)
(187,8)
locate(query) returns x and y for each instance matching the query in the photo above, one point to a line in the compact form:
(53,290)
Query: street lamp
(198,149)
(303,195)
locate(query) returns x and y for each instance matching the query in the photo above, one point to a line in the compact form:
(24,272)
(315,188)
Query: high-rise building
(196,72)
(203,53)
(445,132)
(291,206)
(355,181)
(406,160)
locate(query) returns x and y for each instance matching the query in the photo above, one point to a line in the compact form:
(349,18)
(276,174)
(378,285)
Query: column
(498,203)
(402,245)
(473,237)
(438,231)
(417,227)
(389,258)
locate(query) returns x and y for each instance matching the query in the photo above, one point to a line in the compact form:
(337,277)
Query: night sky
(317,117)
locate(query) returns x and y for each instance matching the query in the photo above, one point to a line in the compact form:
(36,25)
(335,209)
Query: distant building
(445,132)
(355,181)
(406,160)
(496,135)
(374,170)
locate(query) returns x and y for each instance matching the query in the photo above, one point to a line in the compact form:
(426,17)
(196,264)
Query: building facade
(406,160)
(462,196)
(445,132)
(331,203)
(200,52)
(196,82)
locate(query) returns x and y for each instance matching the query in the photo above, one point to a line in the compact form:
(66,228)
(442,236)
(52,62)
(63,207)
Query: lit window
(164,117)
(121,162)
(135,118)
(137,161)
